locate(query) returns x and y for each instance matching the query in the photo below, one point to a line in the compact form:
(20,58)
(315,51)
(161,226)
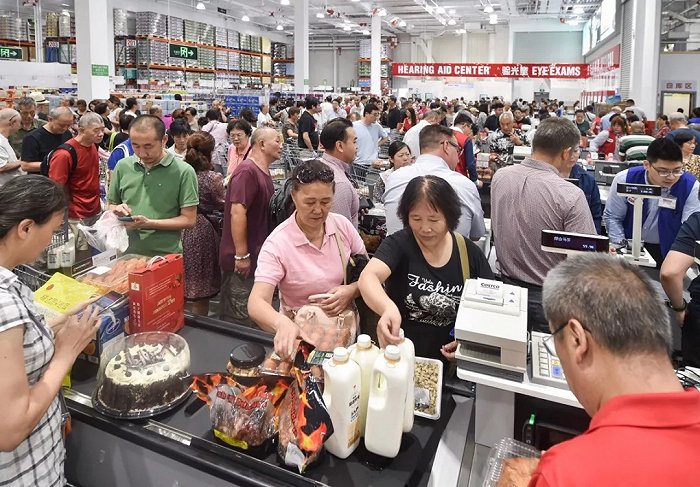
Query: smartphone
(127,218)
(108,300)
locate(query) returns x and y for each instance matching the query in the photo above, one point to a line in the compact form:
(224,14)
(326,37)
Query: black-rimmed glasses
(664,173)
(548,342)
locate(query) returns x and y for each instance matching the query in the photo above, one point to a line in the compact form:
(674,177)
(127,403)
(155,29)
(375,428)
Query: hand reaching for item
(76,333)
(388,327)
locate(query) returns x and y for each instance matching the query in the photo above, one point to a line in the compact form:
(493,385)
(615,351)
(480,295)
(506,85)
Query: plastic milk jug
(387,400)
(341,394)
(408,353)
(365,354)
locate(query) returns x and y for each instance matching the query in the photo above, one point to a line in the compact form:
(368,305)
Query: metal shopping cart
(30,277)
(367,181)
(292,154)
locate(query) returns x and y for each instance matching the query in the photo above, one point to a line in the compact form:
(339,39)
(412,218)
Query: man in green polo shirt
(158,191)
(27,110)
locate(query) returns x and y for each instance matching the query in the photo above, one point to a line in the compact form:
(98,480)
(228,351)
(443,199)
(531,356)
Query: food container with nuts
(245,360)
(428,387)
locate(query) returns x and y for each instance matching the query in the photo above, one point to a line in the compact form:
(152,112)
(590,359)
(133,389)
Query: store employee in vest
(662,218)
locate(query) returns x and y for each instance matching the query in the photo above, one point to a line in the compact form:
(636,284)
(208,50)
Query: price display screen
(574,241)
(638,189)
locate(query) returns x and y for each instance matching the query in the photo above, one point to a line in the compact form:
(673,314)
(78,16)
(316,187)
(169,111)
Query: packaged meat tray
(115,275)
(510,463)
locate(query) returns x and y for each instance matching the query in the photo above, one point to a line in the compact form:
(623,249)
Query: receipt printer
(491,329)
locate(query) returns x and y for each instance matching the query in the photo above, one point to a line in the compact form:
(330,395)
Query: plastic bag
(324,332)
(108,233)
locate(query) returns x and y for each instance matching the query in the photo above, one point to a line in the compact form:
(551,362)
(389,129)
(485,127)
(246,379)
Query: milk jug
(387,400)
(365,354)
(341,394)
(408,353)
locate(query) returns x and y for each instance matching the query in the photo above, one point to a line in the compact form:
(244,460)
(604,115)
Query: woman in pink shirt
(239,133)
(301,257)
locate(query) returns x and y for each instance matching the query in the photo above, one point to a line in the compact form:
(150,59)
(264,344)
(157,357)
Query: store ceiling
(327,18)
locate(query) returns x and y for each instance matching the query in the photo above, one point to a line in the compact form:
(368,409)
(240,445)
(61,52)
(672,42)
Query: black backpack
(281,204)
(46,162)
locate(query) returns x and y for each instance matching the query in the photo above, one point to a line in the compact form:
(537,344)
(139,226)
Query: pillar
(376,57)
(93,49)
(38,34)
(301,46)
(644,60)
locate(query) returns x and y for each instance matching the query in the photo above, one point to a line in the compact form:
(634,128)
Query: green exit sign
(100,70)
(183,52)
(10,53)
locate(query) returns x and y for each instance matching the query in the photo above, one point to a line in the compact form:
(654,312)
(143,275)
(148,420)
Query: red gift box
(157,296)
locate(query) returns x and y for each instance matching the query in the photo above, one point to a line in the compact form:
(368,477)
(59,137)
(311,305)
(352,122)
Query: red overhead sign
(484,70)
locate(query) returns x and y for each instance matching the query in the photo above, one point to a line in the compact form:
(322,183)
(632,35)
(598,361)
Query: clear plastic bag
(108,233)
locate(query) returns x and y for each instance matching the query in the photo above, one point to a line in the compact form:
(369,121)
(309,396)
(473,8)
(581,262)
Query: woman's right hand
(76,333)
(388,327)
(286,338)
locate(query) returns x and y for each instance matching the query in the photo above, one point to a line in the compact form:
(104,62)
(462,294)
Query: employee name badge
(668,202)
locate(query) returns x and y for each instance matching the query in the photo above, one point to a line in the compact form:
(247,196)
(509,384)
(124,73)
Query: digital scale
(520,153)
(639,192)
(570,243)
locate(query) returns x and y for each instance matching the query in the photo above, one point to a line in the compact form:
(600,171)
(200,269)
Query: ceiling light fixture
(347,28)
(579,10)
(365,32)
(488,9)
(382,12)
(452,22)
(279,27)
(245,18)
(440,10)
(200,6)
(493,19)
(320,15)
(461,31)
(402,23)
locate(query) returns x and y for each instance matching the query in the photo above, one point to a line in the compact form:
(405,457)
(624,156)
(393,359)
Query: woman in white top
(35,355)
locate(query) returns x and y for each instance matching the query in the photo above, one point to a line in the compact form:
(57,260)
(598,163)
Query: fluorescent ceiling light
(440,10)
(452,22)
(365,32)
(578,10)
(279,27)
(347,28)
(461,31)
(488,9)
(493,19)
(201,6)
(284,2)
(382,12)
(320,15)
(245,18)
(402,23)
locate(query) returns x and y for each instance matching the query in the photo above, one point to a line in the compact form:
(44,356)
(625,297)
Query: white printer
(491,329)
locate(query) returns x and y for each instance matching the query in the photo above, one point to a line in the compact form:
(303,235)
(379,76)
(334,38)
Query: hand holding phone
(126,218)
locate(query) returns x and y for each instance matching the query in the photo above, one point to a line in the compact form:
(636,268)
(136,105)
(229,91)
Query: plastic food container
(428,388)
(245,360)
(143,375)
(115,275)
(503,450)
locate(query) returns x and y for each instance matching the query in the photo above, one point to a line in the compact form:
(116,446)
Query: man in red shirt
(83,182)
(612,334)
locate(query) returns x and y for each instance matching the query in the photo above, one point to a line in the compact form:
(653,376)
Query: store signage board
(100,70)
(184,52)
(682,85)
(10,53)
(484,70)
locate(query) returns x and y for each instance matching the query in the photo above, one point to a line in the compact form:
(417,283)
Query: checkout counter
(178,448)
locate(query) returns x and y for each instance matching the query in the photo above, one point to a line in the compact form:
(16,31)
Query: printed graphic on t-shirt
(432,303)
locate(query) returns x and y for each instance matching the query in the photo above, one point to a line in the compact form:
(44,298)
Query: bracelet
(242,257)
(678,309)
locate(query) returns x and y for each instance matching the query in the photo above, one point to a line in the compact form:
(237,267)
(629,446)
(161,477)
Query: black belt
(518,282)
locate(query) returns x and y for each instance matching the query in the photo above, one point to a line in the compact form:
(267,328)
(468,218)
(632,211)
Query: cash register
(605,171)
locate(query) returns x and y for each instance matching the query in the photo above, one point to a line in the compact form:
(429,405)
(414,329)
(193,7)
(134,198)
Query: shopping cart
(293,155)
(31,277)
(367,181)
(60,237)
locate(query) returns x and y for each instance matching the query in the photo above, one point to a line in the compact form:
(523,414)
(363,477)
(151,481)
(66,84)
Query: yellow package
(61,293)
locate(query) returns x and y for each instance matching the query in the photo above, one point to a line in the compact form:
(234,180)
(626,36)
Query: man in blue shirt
(662,217)
(370,135)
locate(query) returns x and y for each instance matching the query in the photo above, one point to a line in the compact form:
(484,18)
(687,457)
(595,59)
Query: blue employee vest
(669,220)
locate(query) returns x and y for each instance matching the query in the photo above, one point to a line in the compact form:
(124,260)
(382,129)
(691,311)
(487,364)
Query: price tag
(105,258)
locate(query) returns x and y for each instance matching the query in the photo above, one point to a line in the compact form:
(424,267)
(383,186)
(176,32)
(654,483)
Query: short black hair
(293,111)
(178,97)
(633,118)
(630,100)
(497,105)
(312,170)
(239,125)
(179,127)
(683,136)
(335,131)
(100,108)
(462,118)
(396,147)
(131,102)
(247,115)
(437,193)
(149,122)
(192,111)
(329,98)
(369,108)
(213,115)
(125,121)
(580,111)
(311,103)
(665,149)
(432,135)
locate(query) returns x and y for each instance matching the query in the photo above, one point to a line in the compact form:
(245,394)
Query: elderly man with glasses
(9,125)
(27,110)
(662,218)
(645,429)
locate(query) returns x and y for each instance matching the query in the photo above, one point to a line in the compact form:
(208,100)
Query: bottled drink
(365,353)
(341,394)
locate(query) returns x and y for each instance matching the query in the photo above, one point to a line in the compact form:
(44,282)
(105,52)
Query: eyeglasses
(548,342)
(309,175)
(13,118)
(456,146)
(664,173)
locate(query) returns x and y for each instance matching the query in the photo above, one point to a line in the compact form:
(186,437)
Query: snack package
(242,416)
(327,333)
(115,275)
(304,422)
(61,293)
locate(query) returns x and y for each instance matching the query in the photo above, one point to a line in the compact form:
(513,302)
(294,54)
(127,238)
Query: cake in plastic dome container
(146,376)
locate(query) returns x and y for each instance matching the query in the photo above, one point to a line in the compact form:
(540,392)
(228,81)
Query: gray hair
(58,112)
(614,299)
(90,118)
(554,135)
(6,114)
(678,117)
(260,133)
(506,116)
(25,102)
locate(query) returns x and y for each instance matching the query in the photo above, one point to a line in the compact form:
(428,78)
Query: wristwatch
(678,309)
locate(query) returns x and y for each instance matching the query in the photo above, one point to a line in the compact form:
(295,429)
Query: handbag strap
(463,255)
(342,256)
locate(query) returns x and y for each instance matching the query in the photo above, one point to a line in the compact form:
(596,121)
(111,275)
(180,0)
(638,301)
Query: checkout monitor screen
(577,242)
(638,189)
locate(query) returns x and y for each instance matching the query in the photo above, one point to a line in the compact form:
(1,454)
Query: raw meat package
(115,275)
(324,332)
